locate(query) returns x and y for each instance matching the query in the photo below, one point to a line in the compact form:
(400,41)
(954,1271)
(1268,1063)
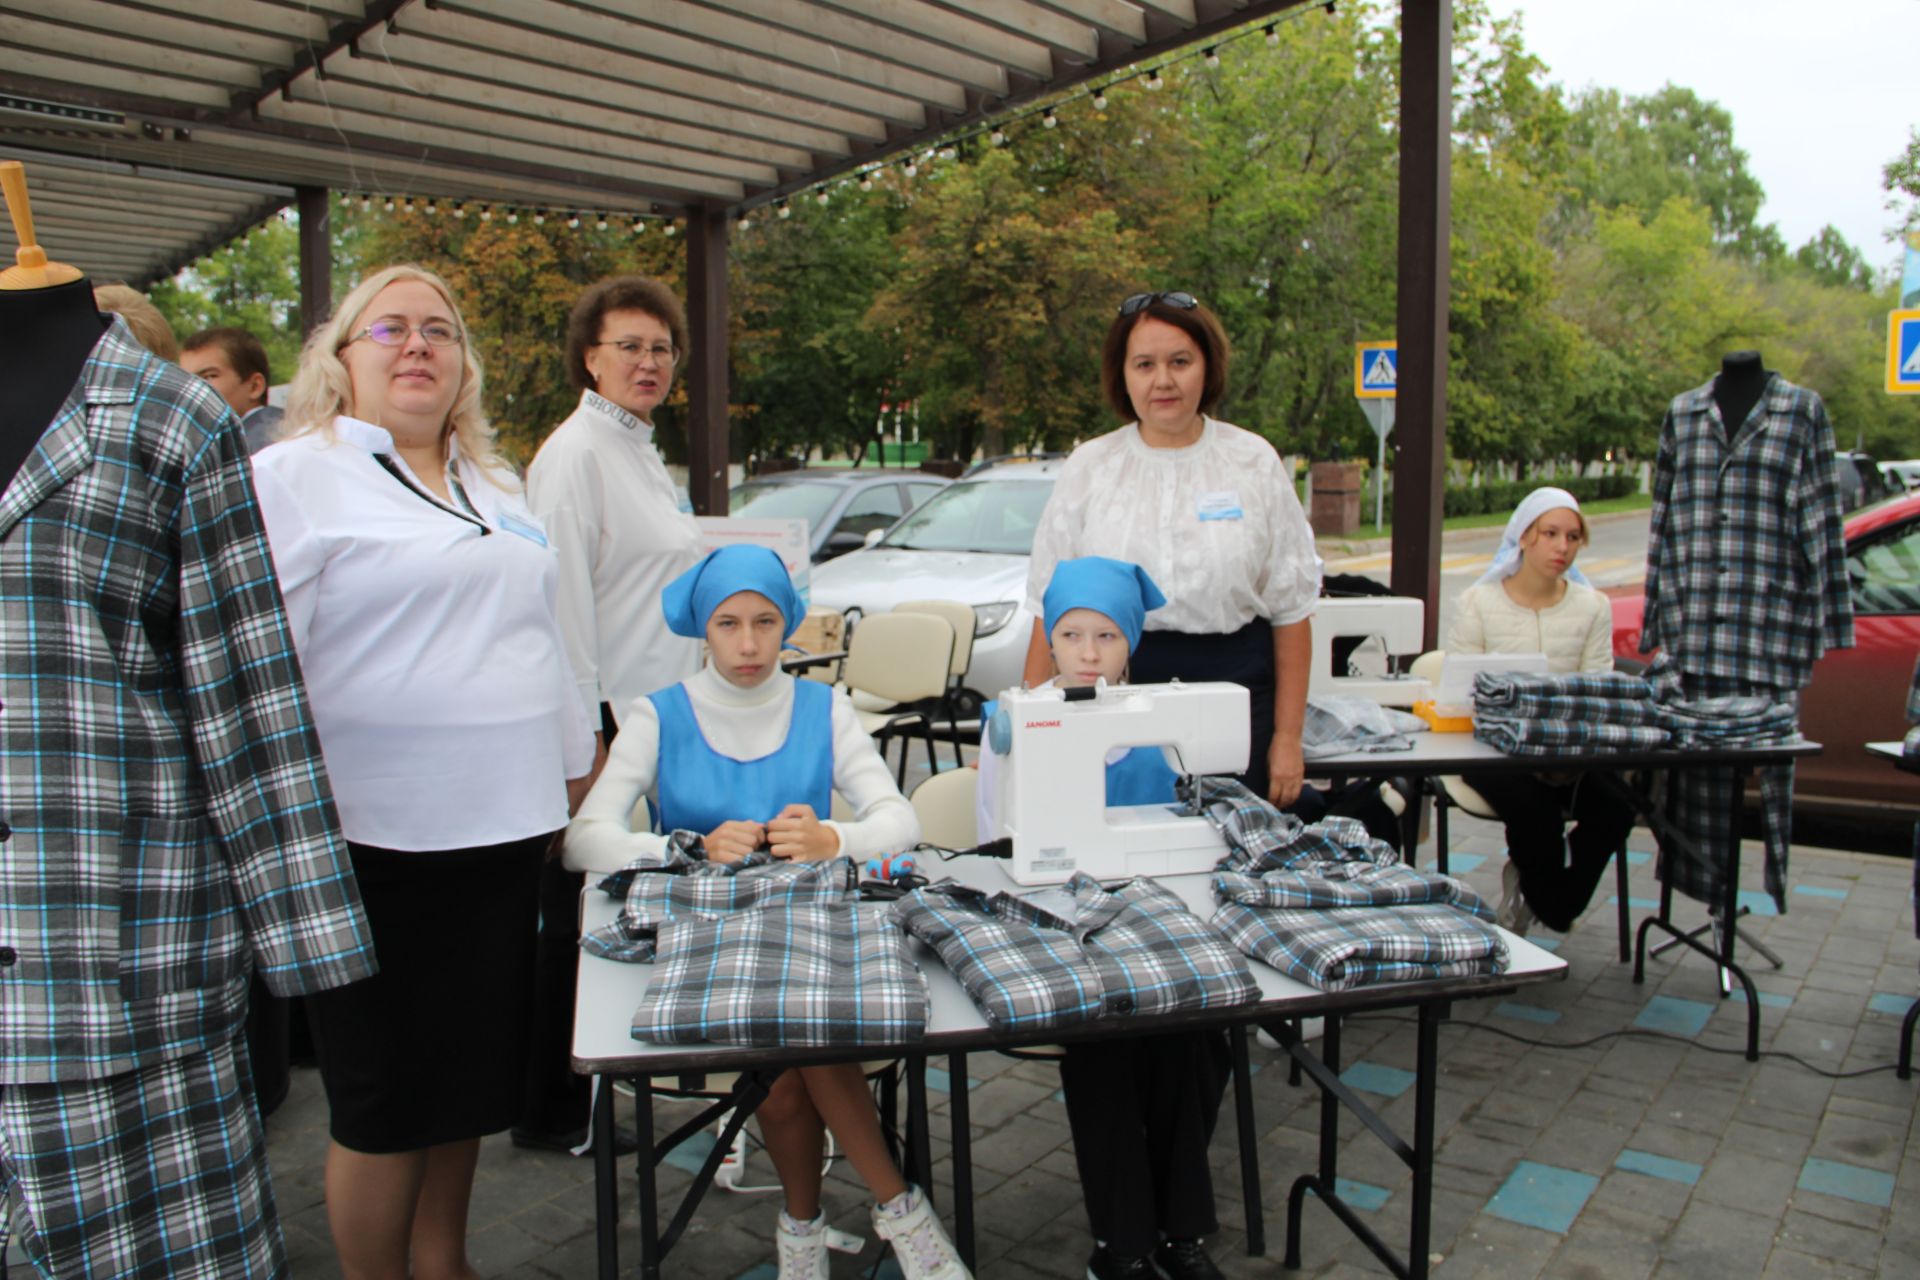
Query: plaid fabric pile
(1076,954)
(1335,950)
(1261,837)
(1338,723)
(685,884)
(799,975)
(1535,715)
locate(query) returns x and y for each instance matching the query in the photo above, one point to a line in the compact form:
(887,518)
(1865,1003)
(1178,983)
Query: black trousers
(1557,879)
(1142,1113)
(558,1102)
(1242,657)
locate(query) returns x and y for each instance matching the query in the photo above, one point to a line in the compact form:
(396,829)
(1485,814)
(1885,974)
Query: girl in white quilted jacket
(1532,600)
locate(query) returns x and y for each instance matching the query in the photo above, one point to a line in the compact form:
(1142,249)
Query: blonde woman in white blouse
(1533,600)
(1209,511)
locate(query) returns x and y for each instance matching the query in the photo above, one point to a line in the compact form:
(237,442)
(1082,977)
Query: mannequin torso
(1742,379)
(49,335)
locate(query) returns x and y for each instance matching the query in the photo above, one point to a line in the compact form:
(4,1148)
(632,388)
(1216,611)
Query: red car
(1858,695)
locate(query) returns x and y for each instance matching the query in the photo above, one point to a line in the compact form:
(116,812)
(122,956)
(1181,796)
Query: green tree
(1830,259)
(1000,301)
(250,283)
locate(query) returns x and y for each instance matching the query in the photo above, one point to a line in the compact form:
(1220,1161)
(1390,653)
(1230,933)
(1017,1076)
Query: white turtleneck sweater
(745,724)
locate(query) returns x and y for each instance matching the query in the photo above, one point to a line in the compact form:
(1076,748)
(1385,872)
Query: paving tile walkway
(1594,1155)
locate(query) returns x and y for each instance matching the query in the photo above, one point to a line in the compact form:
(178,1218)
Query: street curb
(1331,548)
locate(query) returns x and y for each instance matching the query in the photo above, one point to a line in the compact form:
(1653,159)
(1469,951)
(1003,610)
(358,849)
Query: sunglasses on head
(1141,301)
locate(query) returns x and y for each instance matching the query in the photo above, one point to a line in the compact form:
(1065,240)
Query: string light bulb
(866,180)
(782,212)
(366,204)
(911,169)
(431,209)
(1273,36)
(1048,121)
(460,211)
(486,213)
(1154,82)
(821,196)
(1100,100)
(573,221)
(539,218)
(346,199)
(603,222)
(671,228)
(1213,58)
(638,226)
(513,217)
(948,153)
(999,138)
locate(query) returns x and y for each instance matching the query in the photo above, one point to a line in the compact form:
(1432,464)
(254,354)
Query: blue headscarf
(1506,560)
(1121,591)
(691,598)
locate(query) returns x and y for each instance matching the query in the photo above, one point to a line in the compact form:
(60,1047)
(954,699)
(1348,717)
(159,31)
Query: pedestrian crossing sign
(1376,370)
(1903,352)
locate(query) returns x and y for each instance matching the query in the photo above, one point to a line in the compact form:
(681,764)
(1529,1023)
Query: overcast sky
(1822,92)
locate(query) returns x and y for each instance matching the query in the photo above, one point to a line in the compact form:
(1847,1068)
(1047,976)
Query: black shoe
(1107,1265)
(1185,1260)
(625,1140)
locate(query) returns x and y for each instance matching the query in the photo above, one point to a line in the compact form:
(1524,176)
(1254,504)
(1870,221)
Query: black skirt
(433,1048)
(1243,657)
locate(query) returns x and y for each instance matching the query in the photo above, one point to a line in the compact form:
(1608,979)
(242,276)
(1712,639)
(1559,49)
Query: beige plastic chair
(944,805)
(961,618)
(901,659)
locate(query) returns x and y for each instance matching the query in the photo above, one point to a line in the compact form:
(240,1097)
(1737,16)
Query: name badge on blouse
(531,532)
(1222,504)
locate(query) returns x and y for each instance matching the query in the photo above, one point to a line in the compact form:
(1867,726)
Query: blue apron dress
(700,788)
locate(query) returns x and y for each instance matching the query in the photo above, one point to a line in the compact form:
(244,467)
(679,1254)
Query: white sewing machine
(1395,619)
(1052,781)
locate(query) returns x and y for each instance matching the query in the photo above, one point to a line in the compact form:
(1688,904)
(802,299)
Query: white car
(970,543)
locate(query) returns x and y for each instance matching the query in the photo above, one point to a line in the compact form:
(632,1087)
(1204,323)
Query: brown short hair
(1198,323)
(150,328)
(244,352)
(619,293)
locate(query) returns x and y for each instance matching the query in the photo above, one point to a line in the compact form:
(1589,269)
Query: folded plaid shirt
(1260,837)
(1759,718)
(1330,885)
(805,975)
(1076,954)
(1335,950)
(1529,737)
(686,884)
(1608,696)
(1338,723)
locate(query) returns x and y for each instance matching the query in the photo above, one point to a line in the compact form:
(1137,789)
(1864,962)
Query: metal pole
(1426,121)
(1380,484)
(707,361)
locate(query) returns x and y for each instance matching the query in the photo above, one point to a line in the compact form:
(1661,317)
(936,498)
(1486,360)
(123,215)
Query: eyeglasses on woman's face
(392,331)
(1141,301)
(633,351)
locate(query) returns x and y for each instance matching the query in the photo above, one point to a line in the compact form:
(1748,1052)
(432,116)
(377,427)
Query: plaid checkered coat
(171,821)
(1746,564)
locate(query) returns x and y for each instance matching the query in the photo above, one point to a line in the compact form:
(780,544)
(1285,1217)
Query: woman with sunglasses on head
(1209,512)
(420,593)
(610,510)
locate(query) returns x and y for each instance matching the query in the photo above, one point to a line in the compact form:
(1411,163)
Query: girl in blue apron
(750,757)
(1142,1110)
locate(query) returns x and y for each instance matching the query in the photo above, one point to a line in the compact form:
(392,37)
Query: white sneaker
(919,1243)
(802,1257)
(1513,915)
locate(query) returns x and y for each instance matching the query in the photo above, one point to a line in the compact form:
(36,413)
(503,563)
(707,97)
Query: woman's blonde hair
(322,389)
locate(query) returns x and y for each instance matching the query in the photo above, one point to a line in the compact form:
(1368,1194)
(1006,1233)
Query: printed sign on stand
(1376,370)
(785,538)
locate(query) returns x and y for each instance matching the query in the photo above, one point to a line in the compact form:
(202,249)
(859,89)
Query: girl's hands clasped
(800,835)
(732,841)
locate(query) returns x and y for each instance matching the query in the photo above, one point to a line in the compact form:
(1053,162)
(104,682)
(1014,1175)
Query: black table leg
(1249,1152)
(1906,1041)
(959,1115)
(649,1185)
(1323,1181)
(1426,1080)
(919,1158)
(606,1183)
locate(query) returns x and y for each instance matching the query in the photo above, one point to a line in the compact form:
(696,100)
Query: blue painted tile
(1527,1012)
(691,1154)
(1819,891)
(1371,1077)
(1758,902)
(1638,857)
(1546,944)
(1638,904)
(938,1081)
(1458,864)
(1672,1014)
(1542,1196)
(1658,1166)
(1848,1181)
(1886,1002)
(1768,999)
(1361,1195)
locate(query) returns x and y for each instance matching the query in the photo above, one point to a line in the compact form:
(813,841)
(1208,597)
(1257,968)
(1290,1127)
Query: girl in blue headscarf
(1141,1110)
(749,757)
